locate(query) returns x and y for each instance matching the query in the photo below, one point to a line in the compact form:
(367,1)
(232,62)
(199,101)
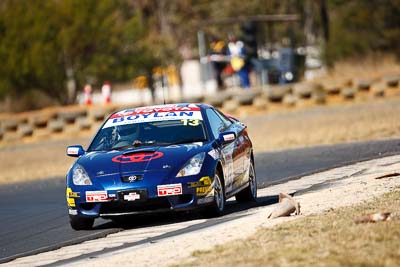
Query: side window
(216,123)
(226,121)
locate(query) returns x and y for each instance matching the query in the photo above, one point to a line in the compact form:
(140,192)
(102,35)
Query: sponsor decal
(71,202)
(205,200)
(137,157)
(203,181)
(187,122)
(70,197)
(72,151)
(96,196)
(203,191)
(133,117)
(132,196)
(229,137)
(111,195)
(213,153)
(154,109)
(203,186)
(169,190)
(72,212)
(73,194)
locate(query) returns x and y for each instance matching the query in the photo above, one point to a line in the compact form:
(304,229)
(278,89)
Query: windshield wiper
(136,144)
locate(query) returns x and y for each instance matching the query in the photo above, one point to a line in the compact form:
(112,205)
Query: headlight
(289,76)
(80,176)
(193,166)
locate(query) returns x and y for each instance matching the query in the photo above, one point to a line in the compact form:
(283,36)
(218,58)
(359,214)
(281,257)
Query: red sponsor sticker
(72,151)
(169,190)
(229,137)
(149,110)
(96,196)
(137,157)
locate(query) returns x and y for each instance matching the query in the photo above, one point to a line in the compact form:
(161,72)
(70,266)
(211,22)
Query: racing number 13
(190,122)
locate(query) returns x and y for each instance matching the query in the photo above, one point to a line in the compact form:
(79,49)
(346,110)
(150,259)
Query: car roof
(163,107)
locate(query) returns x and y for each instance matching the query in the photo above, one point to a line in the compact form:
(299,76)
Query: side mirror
(75,151)
(226,138)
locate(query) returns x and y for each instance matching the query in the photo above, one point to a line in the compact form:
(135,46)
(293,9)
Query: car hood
(139,160)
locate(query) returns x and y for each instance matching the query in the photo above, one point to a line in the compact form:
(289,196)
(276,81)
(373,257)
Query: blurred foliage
(44,43)
(362,27)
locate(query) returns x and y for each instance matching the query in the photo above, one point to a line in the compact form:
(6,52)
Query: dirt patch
(36,161)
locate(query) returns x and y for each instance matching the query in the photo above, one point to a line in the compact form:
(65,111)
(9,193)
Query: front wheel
(249,194)
(79,223)
(218,207)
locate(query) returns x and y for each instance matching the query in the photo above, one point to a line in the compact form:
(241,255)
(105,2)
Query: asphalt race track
(34,217)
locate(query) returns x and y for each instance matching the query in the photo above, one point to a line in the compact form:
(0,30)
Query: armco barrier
(319,95)
(217,100)
(392,80)
(73,121)
(56,125)
(275,93)
(348,92)
(362,84)
(304,89)
(245,97)
(378,89)
(260,103)
(70,116)
(289,100)
(332,87)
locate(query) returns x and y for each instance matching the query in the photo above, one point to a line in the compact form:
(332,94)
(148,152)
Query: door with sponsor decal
(242,153)
(219,123)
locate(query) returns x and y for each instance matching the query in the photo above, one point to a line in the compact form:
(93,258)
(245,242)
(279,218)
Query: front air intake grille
(152,204)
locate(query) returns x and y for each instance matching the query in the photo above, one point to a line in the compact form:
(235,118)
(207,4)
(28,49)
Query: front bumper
(194,193)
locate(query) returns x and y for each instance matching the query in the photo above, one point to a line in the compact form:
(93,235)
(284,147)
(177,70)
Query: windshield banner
(133,116)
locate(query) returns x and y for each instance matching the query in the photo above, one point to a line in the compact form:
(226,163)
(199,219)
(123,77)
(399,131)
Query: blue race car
(161,158)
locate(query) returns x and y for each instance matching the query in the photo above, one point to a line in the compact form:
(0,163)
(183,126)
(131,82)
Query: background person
(236,51)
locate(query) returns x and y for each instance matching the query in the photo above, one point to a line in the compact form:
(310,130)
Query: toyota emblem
(132,178)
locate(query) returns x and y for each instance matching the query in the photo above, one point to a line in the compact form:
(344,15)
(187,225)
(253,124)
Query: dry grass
(326,125)
(330,239)
(372,67)
(34,161)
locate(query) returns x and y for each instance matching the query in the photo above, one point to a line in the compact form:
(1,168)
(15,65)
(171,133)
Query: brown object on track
(287,205)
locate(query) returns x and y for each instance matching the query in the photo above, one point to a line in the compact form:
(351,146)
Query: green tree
(45,43)
(362,27)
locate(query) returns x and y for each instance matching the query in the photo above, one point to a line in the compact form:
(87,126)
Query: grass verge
(329,239)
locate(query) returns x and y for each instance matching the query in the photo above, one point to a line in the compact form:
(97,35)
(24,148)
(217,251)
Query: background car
(161,158)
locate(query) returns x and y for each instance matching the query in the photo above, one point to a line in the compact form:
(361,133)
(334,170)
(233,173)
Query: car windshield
(153,133)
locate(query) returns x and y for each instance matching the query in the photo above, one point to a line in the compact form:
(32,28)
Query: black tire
(249,194)
(119,220)
(79,223)
(218,207)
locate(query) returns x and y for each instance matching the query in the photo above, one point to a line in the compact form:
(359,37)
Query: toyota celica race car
(161,158)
